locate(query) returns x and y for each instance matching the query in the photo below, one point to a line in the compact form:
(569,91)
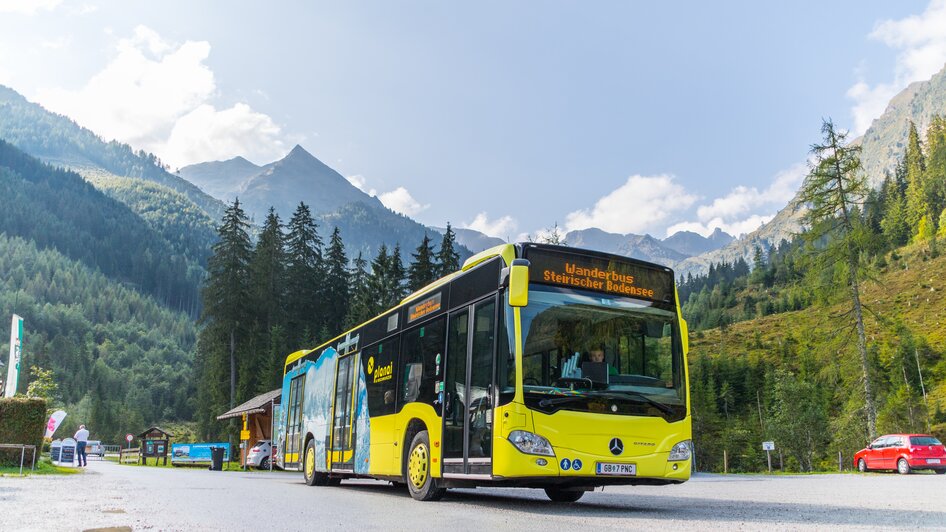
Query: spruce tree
(915,176)
(895,225)
(447,257)
(396,289)
(423,270)
(337,290)
(268,282)
(936,167)
(227,291)
(835,190)
(361,307)
(304,277)
(268,272)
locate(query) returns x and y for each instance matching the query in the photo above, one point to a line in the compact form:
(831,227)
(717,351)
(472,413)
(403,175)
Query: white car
(260,454)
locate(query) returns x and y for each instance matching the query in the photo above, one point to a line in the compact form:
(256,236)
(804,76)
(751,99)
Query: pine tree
(304,277)
(447,256)
(336,296)
(227,290)
(834,191)
(423,270)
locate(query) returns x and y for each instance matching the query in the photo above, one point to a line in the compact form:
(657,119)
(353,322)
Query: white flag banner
(54,421)
(13,369)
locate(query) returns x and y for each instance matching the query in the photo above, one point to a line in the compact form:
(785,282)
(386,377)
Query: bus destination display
(599,275)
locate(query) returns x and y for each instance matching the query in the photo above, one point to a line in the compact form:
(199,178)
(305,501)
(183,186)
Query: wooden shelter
(257,416)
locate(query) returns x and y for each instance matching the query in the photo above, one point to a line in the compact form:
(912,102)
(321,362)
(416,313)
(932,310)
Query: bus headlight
(680,451)
(530,443)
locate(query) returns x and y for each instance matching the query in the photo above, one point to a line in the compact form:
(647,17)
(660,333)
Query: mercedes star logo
(616,446)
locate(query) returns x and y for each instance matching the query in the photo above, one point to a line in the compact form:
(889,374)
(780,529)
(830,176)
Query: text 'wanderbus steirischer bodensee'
(534,365)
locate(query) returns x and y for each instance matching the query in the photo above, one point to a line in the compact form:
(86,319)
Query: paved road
(110,495)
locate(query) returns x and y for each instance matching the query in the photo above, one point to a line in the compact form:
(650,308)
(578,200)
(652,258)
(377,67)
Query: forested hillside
(772,344)
(177,219)
(119,359)
(57,209)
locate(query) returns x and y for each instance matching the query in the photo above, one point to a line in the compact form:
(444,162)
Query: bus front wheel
(560,495)
(420,483)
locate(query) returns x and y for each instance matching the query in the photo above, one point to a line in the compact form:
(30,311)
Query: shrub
(22,420)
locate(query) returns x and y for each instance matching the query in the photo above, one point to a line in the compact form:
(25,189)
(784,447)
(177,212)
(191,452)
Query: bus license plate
(619,470)
(932,460)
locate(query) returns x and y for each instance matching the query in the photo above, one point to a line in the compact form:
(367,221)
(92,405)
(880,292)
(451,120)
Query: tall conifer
(227,291)
(423,270)
(835,191)
(337,289)
(304,277)
(447,256)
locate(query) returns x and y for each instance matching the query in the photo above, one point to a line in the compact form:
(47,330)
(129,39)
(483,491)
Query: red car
(903,453)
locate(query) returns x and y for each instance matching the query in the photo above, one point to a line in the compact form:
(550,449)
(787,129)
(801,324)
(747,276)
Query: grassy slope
(911,288)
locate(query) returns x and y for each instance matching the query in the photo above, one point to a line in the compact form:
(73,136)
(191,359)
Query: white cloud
(208,134)
(744,209)
(400,200)
(359,182)
(921,40)
(158,96)
(28,7)
(639,205)
(500,228)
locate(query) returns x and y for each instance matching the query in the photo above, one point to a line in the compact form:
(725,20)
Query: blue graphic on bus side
(576,464)
(566,464)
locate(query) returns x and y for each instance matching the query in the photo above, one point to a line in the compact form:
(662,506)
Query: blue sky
(502,116)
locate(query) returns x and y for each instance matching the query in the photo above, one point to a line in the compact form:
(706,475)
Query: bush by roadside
(22,421)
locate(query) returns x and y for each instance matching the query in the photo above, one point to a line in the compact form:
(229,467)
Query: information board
(68,454)
(55,450)
(182,453)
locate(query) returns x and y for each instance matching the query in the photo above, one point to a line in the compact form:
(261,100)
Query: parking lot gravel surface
(115,497)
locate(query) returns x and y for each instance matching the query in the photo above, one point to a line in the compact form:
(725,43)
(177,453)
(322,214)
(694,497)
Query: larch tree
(835,191)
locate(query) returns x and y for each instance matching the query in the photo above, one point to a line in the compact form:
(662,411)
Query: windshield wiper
(623,396)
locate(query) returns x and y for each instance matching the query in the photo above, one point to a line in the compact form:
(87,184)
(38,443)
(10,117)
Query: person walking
(82,439)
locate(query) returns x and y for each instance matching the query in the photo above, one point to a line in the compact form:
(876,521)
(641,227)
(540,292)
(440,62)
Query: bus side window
(421,362)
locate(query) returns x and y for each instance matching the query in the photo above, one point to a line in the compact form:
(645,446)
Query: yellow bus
(535,365)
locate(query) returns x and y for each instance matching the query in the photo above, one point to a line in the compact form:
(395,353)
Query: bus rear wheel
(421,485)
(560,495)
(312,477)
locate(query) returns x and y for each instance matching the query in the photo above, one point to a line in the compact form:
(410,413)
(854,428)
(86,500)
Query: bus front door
(341,440)
(468,408)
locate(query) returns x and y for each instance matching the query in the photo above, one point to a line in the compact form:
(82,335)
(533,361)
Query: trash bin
(216,458)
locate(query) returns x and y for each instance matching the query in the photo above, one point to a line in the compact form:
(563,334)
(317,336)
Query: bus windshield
(596,352)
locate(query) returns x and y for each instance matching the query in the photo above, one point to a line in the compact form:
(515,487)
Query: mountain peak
(298,151)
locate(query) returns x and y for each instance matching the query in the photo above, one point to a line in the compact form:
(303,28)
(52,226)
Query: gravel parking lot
(108,495)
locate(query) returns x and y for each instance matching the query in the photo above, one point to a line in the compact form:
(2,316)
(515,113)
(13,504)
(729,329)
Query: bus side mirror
(685,335)
(519,283)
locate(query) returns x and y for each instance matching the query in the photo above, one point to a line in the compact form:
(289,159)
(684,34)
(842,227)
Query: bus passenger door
(341,440)
(292,449)
(468,403)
